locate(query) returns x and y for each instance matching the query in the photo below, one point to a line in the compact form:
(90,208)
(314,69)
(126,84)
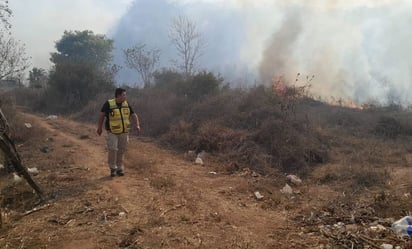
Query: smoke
(357,50)
(277,55)
(148,22)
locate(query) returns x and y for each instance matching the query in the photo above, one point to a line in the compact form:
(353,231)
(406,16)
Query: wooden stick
(173,208)
(36,209)
(366,240)
(9,149)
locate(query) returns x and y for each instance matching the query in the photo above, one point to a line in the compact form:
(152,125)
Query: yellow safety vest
(119,118)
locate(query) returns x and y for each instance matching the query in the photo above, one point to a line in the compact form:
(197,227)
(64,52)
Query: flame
(344,103)
(278,85)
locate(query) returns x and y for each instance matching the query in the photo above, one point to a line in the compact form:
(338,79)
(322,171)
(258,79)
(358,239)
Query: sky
(358,50)
(40,23)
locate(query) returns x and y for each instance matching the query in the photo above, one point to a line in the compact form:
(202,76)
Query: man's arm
(136,122)
(100,123)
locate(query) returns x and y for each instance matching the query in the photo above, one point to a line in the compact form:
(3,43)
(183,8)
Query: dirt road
(163,201)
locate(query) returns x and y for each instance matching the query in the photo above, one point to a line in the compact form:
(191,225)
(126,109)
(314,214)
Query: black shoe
(120,172)
(112,172)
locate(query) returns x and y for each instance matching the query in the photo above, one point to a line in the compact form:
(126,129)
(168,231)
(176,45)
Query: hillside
(165,200)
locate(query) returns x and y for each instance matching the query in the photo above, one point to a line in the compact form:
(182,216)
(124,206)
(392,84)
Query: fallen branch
(367,241)
(125,209)
(36,209)
(171,209)
(9,149)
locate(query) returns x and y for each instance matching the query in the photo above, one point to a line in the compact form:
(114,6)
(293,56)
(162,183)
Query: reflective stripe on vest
(119,118)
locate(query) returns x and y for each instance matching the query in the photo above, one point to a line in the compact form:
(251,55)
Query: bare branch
(188,41)
(13,58)
(142,60)
(5,14)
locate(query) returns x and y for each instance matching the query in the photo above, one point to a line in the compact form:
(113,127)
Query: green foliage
(169,81)
(73,85)
(194,88)
(83,47)
(203,84)
(81,70)
(37,78)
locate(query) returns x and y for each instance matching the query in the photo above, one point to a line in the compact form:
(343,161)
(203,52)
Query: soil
(166,200)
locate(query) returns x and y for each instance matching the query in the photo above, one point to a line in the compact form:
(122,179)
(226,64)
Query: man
(117,113)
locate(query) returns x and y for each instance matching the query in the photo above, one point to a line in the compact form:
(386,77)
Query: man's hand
(100,123)
(137,130)
(136,123)
(99,131)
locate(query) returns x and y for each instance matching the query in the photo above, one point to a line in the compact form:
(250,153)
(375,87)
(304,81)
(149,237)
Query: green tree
(81,69)
(170,81)
(194,88)
(203,84)
(83,47)
(37,78)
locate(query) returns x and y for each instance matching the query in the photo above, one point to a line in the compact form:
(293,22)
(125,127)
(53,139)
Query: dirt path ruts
(163,201)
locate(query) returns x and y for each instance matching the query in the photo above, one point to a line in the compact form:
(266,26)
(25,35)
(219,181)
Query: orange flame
(278,85)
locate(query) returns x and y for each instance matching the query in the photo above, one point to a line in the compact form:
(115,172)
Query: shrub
(156,109)
(162,183)
(8,106)
(213,137)
(203,84)
(91,111)
(169,81)
(221,108)
(180,135)
(31,98)
(388,127)
(354,176)
(248,128)
(194,88)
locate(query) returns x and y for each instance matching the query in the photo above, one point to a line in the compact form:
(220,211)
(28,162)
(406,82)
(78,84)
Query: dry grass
(343,173)
(249,129)
(258,129)
(351,177)
(17,196)
(91,111)
(162,183)
(239,243)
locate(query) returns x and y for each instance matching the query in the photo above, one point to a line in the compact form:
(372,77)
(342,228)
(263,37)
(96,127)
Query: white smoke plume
(357,50)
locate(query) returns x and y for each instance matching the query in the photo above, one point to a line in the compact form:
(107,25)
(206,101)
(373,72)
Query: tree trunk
(9,149)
